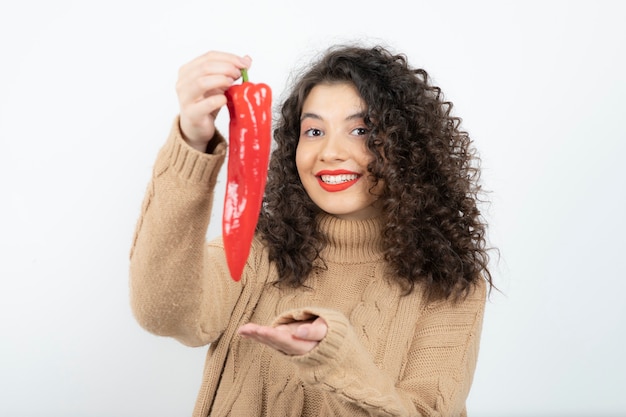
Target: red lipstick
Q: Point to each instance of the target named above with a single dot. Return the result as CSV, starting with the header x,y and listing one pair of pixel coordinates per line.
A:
x,y
338,186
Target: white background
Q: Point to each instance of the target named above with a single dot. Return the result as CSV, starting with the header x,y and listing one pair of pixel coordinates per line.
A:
x,y
87,98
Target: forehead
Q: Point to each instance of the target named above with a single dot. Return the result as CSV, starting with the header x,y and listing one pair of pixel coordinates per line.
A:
x,y
332,97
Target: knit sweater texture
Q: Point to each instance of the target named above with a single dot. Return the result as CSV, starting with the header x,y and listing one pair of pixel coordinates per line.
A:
x,y
385,353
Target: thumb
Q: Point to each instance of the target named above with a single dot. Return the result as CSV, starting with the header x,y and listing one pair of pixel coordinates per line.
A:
x,y
315,331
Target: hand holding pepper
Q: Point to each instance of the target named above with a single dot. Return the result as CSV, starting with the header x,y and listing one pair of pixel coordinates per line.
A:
x,y
201,88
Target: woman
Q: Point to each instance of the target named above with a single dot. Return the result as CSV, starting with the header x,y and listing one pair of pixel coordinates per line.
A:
x,y
365,287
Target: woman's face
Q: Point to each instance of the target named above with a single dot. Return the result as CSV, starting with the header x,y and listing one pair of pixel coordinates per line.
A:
x,y
332,157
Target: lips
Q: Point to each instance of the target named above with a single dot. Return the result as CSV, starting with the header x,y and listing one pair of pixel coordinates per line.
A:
x,y
337,180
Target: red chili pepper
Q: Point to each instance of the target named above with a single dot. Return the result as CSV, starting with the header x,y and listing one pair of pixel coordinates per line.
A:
x,y
250,130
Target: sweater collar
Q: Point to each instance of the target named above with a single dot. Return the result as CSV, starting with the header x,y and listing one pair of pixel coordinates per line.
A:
x,y
351,241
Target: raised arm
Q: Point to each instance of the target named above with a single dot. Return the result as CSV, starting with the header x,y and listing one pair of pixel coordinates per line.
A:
x,y
179,287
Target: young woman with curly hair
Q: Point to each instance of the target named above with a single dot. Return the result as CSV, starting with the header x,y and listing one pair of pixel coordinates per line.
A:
x,y
365,287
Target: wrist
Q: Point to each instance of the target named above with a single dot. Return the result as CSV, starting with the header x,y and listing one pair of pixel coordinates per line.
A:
x,y
204,146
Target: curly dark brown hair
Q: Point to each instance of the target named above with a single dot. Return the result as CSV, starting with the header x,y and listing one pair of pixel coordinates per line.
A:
x,y
433,231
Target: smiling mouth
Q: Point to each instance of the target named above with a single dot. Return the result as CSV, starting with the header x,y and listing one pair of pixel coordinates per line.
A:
x,y
338,179
337,182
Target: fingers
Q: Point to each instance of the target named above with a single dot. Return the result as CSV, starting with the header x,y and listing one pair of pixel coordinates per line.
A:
x,y
296,338
314,331
279,338
200,89
194,89
211,73
215,62
207,107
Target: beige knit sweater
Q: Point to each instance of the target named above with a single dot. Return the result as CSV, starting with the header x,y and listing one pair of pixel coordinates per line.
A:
x,y
384,355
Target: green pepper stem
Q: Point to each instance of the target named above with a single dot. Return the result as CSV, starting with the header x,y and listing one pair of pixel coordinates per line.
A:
x,y
244,75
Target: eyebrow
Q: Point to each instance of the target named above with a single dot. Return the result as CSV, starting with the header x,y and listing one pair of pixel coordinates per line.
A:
x,y
359,115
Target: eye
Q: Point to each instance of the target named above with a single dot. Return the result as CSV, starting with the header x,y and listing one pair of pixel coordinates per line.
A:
x,y
312,132
360,131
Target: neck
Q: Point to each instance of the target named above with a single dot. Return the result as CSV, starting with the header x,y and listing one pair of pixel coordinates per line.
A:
x,y
353,241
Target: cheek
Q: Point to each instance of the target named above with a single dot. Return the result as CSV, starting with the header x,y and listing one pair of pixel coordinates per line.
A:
x,y
362,154
300,161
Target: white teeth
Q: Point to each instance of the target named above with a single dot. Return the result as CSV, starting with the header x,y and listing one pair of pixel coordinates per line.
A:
x,y
338,179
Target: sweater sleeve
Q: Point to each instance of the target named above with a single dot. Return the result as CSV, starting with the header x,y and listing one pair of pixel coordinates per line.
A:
x,y
179,285
437,373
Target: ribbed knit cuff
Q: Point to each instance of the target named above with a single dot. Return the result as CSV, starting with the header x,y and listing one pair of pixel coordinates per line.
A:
x,y
330,354
190,164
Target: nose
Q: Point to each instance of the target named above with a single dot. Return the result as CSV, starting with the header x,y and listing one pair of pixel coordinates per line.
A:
x,y
333,149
